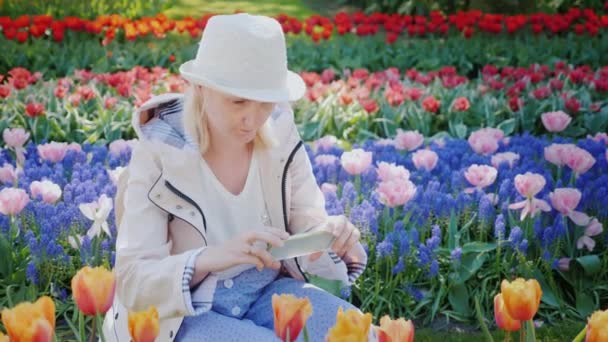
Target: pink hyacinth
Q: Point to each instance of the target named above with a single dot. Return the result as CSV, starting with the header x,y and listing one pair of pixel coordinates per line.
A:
x,y
509,158
557,153
529,185
565,200
327,188
15,137
389,171
579,160
53,151
408,140
396,192
555,121
356,161
325,159
425,159
13,200
483,142
47,190
480,176
8,174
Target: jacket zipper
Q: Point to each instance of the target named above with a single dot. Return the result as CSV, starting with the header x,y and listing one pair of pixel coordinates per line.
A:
x,y
191,201
283,195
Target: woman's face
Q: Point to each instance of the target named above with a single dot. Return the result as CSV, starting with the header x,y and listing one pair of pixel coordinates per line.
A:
x,y
235,118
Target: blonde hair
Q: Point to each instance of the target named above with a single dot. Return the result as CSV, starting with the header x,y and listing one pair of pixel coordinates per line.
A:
x,y
196,125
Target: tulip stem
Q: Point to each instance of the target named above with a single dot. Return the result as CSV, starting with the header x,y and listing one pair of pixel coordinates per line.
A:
x,y
93,329
531,330
508,336
99,319
306,337
81,327
581,335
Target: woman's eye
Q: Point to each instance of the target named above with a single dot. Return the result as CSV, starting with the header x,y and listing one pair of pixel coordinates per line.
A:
x,y
239,102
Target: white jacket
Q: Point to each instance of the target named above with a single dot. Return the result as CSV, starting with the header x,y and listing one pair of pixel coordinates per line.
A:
x,y
161,222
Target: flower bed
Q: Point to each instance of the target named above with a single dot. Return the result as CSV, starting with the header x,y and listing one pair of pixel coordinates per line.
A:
x,y
355,106
442,223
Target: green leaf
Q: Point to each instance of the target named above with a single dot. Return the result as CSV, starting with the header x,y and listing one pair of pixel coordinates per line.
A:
x,y
452,231
591,264
549,296
478,247
470,263
6,266
584,304
460,130
332,286
459,298
507,126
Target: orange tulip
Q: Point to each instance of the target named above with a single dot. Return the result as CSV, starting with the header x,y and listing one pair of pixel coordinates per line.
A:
x,y
144,326
597,327
398,330
290,314
93,290
351,326
501,315
521,298
28,322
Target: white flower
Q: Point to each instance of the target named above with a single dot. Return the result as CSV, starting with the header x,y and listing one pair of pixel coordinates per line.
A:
x,y
98,212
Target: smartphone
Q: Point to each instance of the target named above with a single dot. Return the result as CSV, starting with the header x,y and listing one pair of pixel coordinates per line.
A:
x,y
303,244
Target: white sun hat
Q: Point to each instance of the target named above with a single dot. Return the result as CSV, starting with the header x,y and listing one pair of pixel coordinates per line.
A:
x,y
244,55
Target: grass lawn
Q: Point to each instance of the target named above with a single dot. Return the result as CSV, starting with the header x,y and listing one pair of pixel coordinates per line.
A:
x,y
297,8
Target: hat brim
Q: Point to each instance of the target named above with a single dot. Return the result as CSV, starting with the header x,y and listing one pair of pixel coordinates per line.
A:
x,y
294,86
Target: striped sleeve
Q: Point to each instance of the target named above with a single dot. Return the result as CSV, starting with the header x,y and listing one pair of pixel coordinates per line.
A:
x,y
198,299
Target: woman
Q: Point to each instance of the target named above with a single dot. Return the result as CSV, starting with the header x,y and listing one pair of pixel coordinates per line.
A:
x,y
219,175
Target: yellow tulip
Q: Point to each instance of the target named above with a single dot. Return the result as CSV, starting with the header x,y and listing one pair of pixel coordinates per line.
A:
x,y
351,326
597,327
144,326
3,338
521,298
28,322
398,330
503,320
290,314
93,290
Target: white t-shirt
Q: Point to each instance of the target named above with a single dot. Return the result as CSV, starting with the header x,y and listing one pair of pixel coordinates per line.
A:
x,y
228,215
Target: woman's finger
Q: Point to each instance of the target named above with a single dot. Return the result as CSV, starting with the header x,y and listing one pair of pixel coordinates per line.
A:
x,y
264,236
341,239
351,242
264,256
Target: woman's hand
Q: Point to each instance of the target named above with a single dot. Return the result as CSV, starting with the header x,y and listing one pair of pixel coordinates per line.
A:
x,y
246,248
347,236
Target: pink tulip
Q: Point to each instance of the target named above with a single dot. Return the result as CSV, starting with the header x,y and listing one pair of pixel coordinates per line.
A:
x,y
13,200
564,264
356,161
565,200
47,190
483,143
15,137
408,140
579,160
425,159
74,147
480,176
326,142
325,159
387,172
599,137
594,228
496,133
119,146
507,157
53,151
396,192
8,174
557,153
585,242
528,185
555,121
109,102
